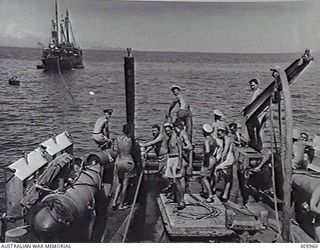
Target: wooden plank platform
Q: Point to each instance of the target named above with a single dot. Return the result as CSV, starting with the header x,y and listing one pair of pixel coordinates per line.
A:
x,y
184,224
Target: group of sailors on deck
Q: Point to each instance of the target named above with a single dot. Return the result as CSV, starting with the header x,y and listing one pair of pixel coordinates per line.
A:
x,y
172,144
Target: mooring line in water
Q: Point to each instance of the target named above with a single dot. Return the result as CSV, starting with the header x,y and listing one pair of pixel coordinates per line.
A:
x,y
134,202
64,82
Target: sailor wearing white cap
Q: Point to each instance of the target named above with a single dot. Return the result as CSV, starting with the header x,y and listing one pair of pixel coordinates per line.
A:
x,y
217,112
207,128
174,87
217,122
184,113
226,161
209,161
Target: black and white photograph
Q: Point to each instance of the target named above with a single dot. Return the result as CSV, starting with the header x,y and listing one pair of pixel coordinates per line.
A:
x,y
159,121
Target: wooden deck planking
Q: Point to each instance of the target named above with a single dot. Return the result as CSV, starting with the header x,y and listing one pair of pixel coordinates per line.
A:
x,y
179,226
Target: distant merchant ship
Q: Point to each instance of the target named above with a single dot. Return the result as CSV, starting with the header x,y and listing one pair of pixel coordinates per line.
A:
x,y
62,52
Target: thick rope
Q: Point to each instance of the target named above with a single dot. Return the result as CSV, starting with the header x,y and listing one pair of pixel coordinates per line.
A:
x,y
63,81
273,171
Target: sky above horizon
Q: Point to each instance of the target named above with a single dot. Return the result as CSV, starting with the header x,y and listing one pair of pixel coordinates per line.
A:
x,y
198,26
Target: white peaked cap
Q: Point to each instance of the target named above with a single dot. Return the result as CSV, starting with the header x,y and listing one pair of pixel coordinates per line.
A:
x,y
175,87
207,128
218,112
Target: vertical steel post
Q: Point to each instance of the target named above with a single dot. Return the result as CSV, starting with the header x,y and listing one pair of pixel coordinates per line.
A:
x,y
130,89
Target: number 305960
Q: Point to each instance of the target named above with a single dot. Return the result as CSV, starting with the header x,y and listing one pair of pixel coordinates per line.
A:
x,y
310,245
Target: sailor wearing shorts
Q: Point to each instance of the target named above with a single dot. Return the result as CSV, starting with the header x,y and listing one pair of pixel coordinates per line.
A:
x,y
207,170
226,161
174,169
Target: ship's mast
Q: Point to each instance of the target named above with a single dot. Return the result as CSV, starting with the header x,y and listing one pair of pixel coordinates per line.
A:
x,y
63,37
67,26
57,22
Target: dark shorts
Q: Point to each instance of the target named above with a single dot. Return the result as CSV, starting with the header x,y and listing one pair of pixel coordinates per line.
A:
x,y
162,160
207,171
226,174
124,168
183,114
108,174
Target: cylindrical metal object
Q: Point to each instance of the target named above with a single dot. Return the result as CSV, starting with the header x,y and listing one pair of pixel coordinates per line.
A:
x,y
306,183
62,210
101,157
18,235
130,89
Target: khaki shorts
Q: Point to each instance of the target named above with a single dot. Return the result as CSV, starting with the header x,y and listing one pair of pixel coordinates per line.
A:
x,y
174,168
162,160
124,169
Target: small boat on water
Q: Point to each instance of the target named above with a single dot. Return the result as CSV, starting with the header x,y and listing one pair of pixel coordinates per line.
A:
x,y
14,81
63,53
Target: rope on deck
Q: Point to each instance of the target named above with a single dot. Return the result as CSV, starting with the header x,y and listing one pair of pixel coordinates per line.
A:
x,y
212,210
134,202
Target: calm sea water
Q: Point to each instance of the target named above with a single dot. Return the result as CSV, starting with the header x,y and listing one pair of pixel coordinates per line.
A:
x,y
40,106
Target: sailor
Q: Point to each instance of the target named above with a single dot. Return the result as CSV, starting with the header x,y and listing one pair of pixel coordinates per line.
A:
x,y
160,146
174,169
209,161
236,134
298,149
186,149
226,160
217,122
309,147
101,131
255,87
184,113
256,124
124,166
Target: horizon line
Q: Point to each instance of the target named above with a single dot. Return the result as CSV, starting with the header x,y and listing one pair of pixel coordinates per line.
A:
x,y
172,51
216,1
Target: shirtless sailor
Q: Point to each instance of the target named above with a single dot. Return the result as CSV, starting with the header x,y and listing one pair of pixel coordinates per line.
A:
x,y
159,144
101,132
184,113
209,161
226,160
174,169
124,166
